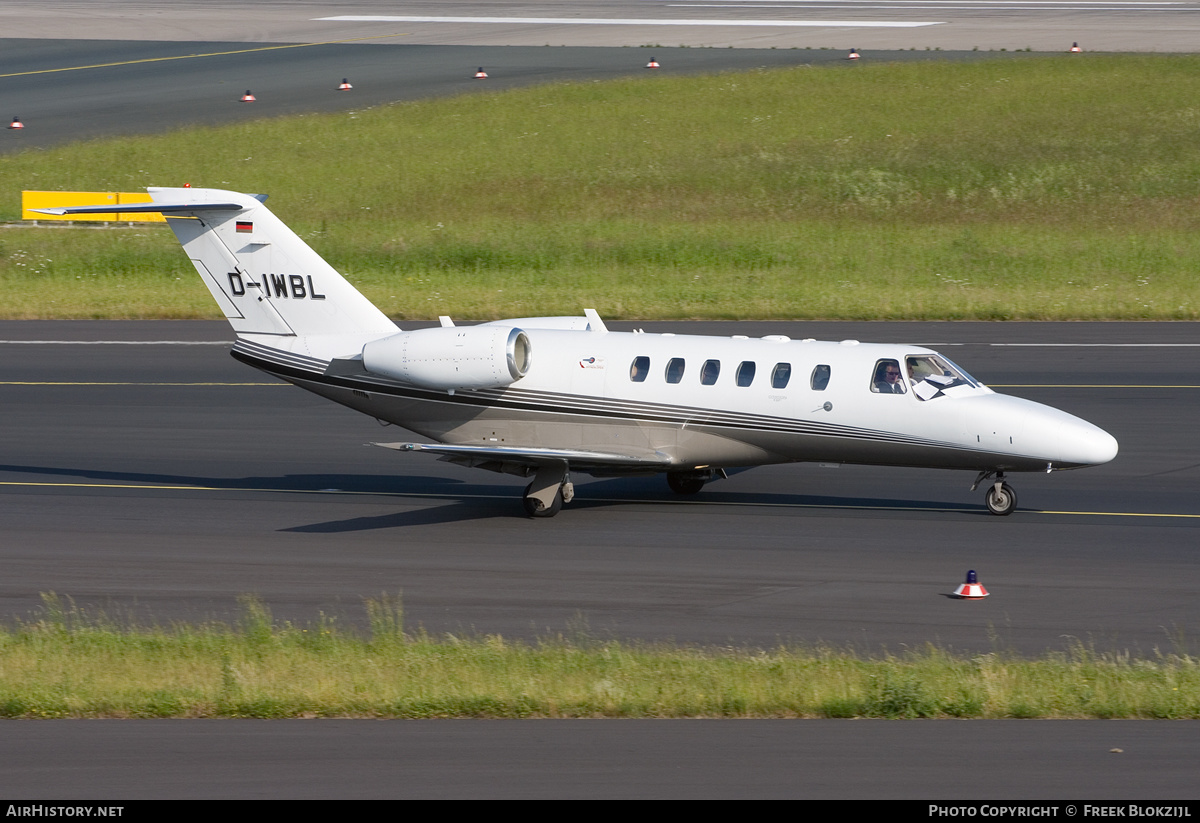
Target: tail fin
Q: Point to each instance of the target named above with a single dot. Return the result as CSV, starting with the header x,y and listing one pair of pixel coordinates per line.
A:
x,y
263,276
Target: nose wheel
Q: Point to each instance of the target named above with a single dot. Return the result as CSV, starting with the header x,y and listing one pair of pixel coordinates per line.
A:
x,y
1000,498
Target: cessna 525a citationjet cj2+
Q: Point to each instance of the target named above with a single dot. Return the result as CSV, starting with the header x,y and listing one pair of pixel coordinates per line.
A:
x,y
543,397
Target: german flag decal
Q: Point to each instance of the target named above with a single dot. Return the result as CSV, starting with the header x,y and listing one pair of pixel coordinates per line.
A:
x,y
245,226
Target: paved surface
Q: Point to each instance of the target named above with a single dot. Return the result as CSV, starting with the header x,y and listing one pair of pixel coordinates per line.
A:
x,y
459,759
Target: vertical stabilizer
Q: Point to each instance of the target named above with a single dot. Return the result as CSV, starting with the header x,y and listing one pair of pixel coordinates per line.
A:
x,y
263,276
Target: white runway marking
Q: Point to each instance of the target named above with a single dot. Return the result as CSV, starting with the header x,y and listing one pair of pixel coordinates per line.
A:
x,y
604,21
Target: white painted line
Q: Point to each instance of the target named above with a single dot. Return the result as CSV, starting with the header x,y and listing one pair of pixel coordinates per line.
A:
x,y
605,21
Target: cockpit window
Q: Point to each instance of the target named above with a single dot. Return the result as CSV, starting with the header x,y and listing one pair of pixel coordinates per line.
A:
x,y
933,375
887,379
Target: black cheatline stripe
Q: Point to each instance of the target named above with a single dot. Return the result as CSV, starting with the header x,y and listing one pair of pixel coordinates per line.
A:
x,y
675,415
287,358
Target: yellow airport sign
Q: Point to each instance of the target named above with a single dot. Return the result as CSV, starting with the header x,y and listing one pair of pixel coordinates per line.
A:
x,y
60,199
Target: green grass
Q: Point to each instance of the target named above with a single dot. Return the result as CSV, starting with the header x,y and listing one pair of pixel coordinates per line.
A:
x,y
1047,188
67,664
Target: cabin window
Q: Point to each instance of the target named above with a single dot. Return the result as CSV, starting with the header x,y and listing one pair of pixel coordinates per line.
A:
x,y
709,372
886,379
639,369
780,375
820,378
675,370
745,373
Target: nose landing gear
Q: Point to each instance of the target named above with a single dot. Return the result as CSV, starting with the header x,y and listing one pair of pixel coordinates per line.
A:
x,y
1000,498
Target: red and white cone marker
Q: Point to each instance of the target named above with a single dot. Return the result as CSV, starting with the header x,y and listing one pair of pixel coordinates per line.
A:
x,y
1075,48
16,124
481,74
653,64
248,97
972,589
853,55
345,85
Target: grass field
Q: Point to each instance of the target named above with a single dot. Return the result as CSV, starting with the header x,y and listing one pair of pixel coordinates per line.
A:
x,y
1048,188
67,664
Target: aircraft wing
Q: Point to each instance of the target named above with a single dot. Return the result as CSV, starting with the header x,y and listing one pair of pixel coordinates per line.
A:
x,y
507,458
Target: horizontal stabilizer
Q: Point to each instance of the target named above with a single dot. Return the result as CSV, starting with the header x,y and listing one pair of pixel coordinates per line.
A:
x,y
142,208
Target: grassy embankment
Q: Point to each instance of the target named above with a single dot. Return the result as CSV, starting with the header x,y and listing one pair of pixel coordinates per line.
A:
x,y
1056,188
67,665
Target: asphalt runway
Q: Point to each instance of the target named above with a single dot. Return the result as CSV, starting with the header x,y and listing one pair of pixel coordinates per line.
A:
x,y
161,481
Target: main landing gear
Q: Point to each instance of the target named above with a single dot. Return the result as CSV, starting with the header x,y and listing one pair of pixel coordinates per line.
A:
x,y
551,487
1000,498
689,482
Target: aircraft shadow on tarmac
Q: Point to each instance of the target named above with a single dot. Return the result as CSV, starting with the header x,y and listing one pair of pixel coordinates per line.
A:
x,y
473,501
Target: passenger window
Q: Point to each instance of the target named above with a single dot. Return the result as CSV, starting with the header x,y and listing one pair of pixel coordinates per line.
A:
x,y
709,372
675,370
745,373
780,375
639,369
886,379
820,378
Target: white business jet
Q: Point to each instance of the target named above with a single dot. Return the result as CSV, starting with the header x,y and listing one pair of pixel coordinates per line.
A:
x,y
543,397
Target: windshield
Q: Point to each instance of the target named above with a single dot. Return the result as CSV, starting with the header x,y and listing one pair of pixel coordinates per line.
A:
x,y
933,375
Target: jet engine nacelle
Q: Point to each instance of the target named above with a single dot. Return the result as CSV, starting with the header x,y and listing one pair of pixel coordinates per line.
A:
x,y
452,357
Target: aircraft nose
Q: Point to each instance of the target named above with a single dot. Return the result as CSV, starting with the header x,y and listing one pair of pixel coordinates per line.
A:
x,y
1082,444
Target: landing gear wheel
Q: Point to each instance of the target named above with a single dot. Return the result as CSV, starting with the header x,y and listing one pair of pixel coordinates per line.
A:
x,y
1001,499
685,482
535,507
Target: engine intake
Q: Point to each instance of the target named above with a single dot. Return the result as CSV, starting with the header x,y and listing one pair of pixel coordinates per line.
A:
x,y
452,357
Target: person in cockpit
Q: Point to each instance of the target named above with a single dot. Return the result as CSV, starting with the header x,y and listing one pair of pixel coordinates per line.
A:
x,y
887,378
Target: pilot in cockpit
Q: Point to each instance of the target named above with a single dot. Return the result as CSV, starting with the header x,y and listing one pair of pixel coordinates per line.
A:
x,y
887,378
